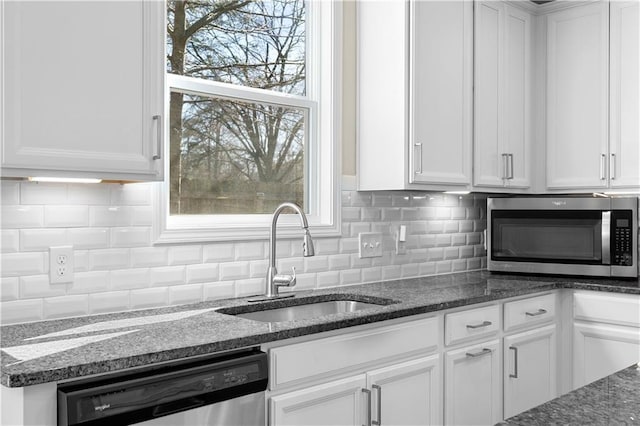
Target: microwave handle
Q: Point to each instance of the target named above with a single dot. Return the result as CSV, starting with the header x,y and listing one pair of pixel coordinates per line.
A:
x,y
606,238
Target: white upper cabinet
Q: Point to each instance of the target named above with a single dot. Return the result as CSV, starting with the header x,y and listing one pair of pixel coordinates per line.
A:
x,y
414,94
578,97
502,95
624,127
83,89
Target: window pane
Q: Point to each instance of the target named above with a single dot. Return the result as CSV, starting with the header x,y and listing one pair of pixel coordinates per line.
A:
x,y
258,44
233,157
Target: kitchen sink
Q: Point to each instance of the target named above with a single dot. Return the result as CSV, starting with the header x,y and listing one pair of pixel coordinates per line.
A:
x,y
302,309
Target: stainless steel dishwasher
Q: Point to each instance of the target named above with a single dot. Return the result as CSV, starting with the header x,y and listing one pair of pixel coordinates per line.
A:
x,y
226,390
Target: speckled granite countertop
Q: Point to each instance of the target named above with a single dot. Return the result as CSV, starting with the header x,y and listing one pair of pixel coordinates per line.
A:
x,y
63,349
614,400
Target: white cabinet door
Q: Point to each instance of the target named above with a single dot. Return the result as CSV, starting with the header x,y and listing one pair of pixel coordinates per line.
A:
x,y
502,103
624,127
407,393
441,91
473,383
600,350
577,97
335,403
529,369
83,88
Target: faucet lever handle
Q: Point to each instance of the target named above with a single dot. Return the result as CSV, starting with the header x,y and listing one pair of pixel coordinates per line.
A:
x,y
285,280
292,282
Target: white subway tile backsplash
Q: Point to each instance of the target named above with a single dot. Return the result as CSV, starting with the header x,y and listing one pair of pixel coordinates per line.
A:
x,y
112,301
37,286
117,267
167,276
17,311
19,264
89,282
110,216
88,194
250,251
206,272
328,279
149,256
41,239
88,238
339,261
234,271
137,194
66,216
372,275
9,289
108,259
136,236
43,193
15,217
10,240
149,297
127,279
250,287
185,255
66,306
219,290
10,192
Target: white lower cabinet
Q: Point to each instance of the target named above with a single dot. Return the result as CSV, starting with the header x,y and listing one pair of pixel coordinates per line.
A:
x,y
473,382
339,402
530,360
406,393
606,334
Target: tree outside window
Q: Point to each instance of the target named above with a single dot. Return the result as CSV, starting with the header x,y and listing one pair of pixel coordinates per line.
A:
x,y
229,154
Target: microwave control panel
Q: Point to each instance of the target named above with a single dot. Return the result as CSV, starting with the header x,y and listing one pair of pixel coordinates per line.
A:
x,y
623,238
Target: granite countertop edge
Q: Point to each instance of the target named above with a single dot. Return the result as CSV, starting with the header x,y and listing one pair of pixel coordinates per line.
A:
x,y
409,296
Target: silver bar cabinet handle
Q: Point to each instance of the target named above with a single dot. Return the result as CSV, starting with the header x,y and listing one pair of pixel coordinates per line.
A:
x,y
505,166
483,324
419,155
537,313
510,176
158,120
484,351
379,411
603,166
606,238
612,166
515,363
367,392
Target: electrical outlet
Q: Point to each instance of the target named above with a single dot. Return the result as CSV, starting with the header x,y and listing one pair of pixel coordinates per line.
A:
x,y
370,244
61,264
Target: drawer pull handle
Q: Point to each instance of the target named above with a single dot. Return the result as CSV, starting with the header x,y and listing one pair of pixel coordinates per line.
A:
x,y
535,314
484,351
483,324
515,362
367,392
379,421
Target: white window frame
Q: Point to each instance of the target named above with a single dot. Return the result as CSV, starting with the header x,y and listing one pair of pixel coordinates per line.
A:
x,y
323,104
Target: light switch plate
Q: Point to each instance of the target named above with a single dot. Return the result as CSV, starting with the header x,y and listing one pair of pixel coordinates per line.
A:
x,y
370,244
61,264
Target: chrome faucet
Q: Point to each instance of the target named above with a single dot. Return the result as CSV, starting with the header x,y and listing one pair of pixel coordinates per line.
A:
x,y
275,280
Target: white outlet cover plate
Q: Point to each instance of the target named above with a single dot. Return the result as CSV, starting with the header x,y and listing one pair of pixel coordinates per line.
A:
x,y
61,264
370,244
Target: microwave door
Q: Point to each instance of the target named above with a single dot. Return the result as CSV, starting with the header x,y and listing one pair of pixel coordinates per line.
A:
x,y
606,238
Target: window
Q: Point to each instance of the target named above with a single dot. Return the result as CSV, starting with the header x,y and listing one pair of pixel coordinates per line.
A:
x,y
252,116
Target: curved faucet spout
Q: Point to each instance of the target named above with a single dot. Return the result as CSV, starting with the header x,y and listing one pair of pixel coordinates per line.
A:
x,y
273,279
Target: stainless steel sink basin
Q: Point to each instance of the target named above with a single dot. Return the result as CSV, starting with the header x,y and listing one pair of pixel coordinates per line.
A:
x,y
306,311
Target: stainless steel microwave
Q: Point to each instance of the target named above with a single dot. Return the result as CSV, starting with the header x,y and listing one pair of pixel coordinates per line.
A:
x,y
566,236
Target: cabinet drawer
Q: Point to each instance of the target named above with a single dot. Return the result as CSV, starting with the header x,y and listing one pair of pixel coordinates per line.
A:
x,y
622,309
302,361
472,323
534,310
